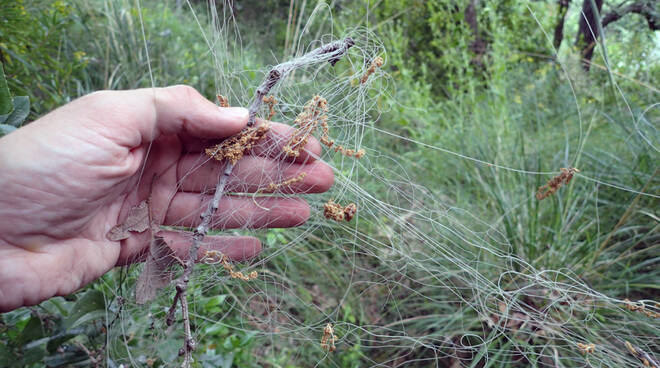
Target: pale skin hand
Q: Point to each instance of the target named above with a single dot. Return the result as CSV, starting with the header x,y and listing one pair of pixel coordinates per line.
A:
x,y
70,176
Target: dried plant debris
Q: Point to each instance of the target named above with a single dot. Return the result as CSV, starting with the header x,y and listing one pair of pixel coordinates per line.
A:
x,y
270,101
586,348
326,141
275,186
646,358
234,147
313,114
216,257
157,272
641,308
376,63
335,211
349,211
223,101
136,221
329,338
232,150
553,185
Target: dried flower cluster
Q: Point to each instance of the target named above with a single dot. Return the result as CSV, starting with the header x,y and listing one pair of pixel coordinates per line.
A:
x,y
376,63
270,101
215,257
555,183
640,307
586,348
335,211
233,148
275,186
313,114
328,339
223,101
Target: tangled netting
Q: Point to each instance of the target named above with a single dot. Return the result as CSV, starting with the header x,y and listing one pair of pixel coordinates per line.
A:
x,y
386,270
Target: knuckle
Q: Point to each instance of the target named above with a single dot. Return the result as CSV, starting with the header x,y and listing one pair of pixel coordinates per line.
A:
x,y
185,91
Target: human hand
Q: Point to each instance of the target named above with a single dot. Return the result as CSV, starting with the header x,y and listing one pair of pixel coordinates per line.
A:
x,y
69,177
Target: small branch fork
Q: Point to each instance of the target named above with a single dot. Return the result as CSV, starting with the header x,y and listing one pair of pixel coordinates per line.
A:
x,y
331,53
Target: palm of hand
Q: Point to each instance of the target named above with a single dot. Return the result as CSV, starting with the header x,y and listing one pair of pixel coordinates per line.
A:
x,y
72,175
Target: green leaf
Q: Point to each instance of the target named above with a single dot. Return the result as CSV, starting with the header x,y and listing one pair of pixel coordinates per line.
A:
x,y
21,111
224,361
5,97
34,352
214,301
59,339
32,331
6,355
168,350
89,307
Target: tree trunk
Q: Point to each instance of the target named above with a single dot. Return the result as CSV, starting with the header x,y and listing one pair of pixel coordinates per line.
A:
x,y
478,45
559,26
588,30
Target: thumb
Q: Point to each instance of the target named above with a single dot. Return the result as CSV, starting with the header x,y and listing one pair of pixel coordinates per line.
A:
x,y
181,109
142,115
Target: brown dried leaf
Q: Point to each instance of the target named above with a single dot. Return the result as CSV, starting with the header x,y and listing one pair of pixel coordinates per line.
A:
x,y
136,221
157,272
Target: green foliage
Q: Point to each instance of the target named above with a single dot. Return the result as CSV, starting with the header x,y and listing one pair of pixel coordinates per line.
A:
x,y
56,333
6,105
13,111
39,58
434,41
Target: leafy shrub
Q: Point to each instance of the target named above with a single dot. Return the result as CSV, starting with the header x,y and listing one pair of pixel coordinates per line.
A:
x,y
39,58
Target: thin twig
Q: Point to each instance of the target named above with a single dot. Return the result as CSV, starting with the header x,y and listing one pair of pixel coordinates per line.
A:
x,y
643,356
331,53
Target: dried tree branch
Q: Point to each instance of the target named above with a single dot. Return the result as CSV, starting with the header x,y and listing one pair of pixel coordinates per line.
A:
x,y
331,53
646,358
646,8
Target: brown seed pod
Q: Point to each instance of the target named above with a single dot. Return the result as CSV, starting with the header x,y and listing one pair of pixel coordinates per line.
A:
x,y
233,148
275,186
553,185
335,211
223,101
349,211
328,339
306,123
376,63
270,101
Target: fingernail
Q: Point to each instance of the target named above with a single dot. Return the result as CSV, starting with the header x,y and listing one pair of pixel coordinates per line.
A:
x,y
238,113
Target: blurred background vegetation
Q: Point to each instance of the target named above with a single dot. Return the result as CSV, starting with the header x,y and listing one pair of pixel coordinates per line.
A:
x,y
487,79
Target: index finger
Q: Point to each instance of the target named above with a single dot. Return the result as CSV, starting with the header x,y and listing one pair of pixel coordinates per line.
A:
x,y
277,137
272,145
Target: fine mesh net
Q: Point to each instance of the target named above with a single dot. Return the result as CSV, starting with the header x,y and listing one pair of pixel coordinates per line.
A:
x,y
416,277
